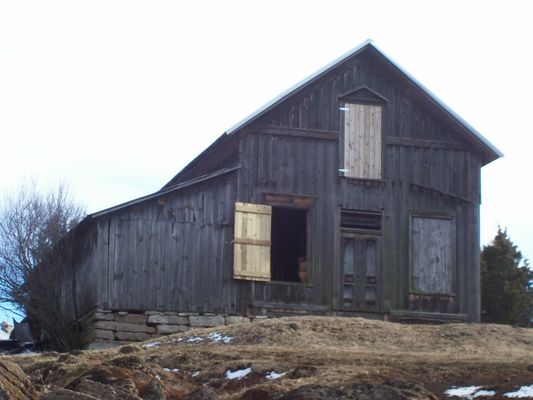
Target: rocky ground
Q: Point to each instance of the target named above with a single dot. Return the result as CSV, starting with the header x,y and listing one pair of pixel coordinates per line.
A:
x,y
286,358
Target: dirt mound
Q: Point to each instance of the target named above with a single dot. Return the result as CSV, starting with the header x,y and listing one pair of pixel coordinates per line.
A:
x,y
292,358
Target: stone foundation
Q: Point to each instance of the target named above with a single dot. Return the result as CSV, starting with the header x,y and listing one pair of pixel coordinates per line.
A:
x,y
105,328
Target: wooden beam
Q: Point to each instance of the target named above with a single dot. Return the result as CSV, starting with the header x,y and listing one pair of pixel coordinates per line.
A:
x,y
288,200
296,132
422,187
435,144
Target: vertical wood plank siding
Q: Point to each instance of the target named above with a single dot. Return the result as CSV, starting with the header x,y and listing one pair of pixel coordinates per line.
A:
x,y
175,252
428,168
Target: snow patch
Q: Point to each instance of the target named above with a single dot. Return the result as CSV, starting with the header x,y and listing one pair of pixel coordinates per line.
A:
x,y
175,370
238,374
522,393
195,339
195,374
274,375
216,337
469,392
486,393
151,344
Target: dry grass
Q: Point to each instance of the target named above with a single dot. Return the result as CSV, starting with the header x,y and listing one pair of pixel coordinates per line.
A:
x,y
311,350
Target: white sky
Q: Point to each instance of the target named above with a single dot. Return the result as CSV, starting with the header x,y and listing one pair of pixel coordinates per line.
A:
x,y
115,97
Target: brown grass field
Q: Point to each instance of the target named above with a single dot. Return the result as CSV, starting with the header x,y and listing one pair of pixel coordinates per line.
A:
x,y
322,357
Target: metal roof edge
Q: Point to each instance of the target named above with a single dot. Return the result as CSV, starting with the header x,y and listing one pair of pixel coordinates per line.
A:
x,y
441,103
278,99
150,196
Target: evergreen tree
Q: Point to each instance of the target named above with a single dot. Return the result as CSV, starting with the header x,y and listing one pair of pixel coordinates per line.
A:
x,y
506,283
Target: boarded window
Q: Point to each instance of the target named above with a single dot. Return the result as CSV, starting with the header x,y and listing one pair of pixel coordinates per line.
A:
x,y
251,259
433,254
362,141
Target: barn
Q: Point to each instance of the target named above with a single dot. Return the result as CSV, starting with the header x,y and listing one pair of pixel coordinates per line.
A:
x,y
356,192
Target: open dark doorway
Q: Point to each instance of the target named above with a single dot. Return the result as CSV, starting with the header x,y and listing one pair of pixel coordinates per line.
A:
x,y
289,245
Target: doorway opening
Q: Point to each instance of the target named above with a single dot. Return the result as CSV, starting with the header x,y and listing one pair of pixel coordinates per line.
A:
x,y
289,245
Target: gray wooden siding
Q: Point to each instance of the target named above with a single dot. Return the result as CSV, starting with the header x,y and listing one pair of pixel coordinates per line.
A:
x,y
169,253
426,166
175,253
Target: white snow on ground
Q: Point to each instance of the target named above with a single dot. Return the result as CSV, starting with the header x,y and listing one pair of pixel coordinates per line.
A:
x,y
175,370
195,374
486,393
523,393
274,375
151,344
468,392
194,339
238,374
216,337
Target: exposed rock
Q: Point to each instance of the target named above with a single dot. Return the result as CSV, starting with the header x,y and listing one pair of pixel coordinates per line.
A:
x,y
107,391
203,393
362,391
14,384
256,394
154,391
65,394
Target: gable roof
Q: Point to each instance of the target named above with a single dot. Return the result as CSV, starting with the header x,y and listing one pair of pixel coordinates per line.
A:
x,y
490,151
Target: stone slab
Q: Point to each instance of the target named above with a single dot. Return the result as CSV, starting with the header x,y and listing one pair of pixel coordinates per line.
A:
x,y
168,319
124,327
236,319
166,329
206,320
131,318
103,334
103,316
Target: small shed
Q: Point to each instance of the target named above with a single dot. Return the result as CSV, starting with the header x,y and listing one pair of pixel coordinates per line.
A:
x,y
356,192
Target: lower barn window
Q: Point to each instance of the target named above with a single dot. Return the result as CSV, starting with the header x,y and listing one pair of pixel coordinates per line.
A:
x,y
288,253
270,243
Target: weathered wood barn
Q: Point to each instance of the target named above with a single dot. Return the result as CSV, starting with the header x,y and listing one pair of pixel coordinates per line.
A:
x,y
356,192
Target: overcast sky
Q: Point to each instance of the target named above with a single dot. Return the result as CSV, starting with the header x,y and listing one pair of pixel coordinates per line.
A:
x,y
115,97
